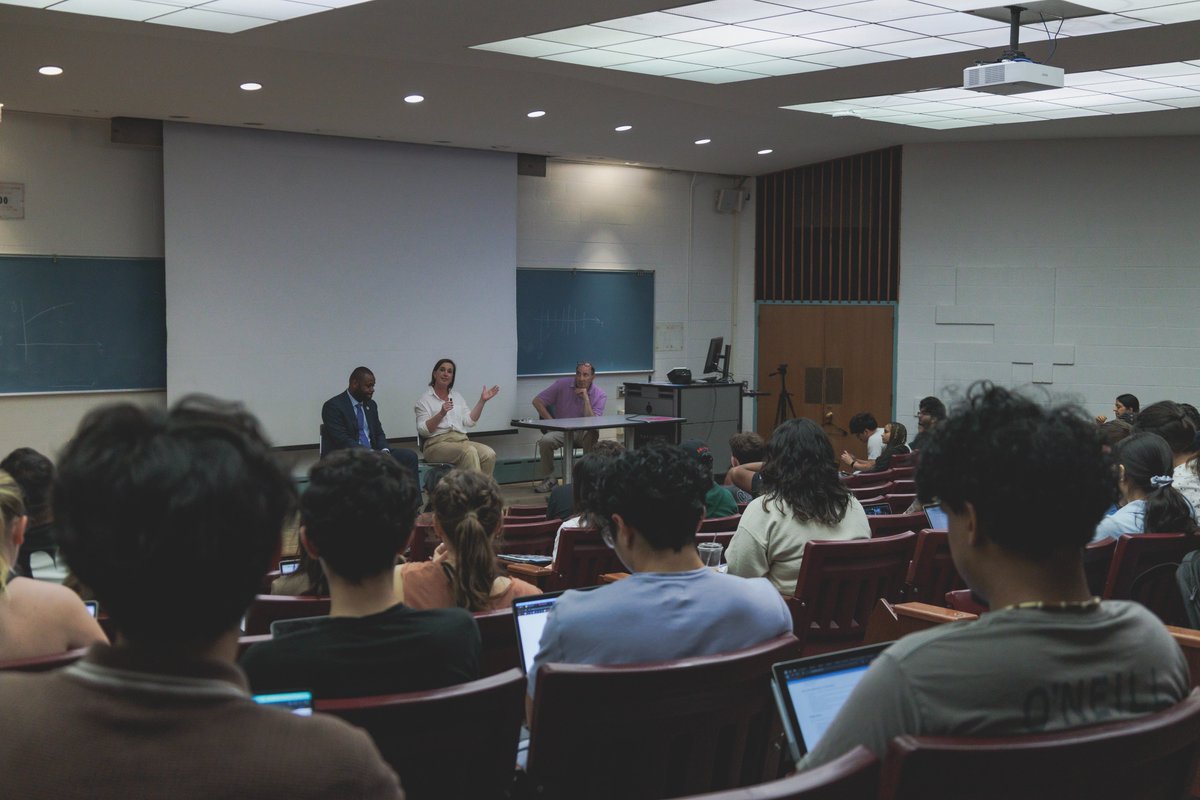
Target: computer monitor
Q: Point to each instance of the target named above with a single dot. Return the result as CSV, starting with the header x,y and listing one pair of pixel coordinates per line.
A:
x,y
717,353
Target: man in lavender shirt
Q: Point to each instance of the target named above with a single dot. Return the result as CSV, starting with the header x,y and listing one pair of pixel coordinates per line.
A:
x,y
564,399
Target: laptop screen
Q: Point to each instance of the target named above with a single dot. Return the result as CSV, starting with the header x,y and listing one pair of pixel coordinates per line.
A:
x,y
936,517
875,509
811,691
530,615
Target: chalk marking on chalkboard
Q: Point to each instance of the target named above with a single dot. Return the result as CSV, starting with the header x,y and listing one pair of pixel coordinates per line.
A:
x,y
28,344
47,311
570,322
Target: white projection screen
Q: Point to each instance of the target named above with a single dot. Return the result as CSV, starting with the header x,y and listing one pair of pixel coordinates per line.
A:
x,y
291,259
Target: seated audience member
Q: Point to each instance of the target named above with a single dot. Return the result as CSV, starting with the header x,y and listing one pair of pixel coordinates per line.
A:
x,y
895,437
1113,659
1114,431
307,581
803,499
467,516
1172,422
34,473
652,500
744,448
930,412
561,502
585,483
172,518
1125,408
355,515
1149,503
864,428
36,618
718,501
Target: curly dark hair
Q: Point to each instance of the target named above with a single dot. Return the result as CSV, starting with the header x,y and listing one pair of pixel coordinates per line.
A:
x,y
1038,478
800,474
358,511
186,505
1171,422
659,491
35,474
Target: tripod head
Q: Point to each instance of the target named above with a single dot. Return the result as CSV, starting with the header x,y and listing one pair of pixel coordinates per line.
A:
x,y
782,370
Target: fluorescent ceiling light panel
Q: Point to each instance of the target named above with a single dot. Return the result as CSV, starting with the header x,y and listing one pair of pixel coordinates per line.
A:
x,y
722,57
593,58
1158,70
656,23
782,66
589,36
1168,15
850,58
865,36
209,20
721,76
926,108
659,48
658,66
916,48
946,23
530,48
725,36
790,47
115,9
880,10
1102,23
265,9
731,11
801,24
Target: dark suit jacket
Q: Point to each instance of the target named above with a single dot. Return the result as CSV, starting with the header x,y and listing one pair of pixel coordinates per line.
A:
x,y
341,426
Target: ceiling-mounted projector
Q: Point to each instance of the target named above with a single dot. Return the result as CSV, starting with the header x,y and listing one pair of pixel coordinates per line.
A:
x,y
1012,77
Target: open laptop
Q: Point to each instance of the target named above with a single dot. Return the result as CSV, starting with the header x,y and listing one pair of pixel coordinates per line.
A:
x,y
875,509
810,692
530,614
936,517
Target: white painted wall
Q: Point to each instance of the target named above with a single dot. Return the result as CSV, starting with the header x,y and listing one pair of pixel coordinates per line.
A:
x,y
1073,265
614,217
83,197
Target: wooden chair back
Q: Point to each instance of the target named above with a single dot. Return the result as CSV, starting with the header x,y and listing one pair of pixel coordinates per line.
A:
x,y
1136,574
872,491
852,776
904,486
528,538
862,479
902,472
421,543
932,572
839,584
719,524
891,524
908,459
267,608
581,559
43,663
900,502
533,511
460,741
1097,560
499,642
657,730
1148,758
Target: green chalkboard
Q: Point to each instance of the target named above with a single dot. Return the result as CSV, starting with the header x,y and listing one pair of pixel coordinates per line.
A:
x,y
82,324
568,315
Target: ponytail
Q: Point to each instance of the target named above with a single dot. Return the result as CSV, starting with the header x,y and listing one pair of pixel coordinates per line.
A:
x,y
468,508
1167,511
12,507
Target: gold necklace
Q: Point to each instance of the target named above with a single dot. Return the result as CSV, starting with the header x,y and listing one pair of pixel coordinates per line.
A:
x,y
1061,605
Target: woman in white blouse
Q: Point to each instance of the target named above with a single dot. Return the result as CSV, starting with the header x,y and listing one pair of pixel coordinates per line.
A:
x,y
443,418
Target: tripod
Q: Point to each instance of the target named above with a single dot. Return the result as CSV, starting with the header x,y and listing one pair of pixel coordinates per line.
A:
x,y
784,410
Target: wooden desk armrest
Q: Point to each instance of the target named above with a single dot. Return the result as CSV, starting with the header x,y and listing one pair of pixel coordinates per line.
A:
x,y
613,577
528,570
931,613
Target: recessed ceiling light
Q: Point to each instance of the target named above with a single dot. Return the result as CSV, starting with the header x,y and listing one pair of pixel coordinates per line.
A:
x,y
251,86
50,69
415,98
766,152
623,128
703,141
536,114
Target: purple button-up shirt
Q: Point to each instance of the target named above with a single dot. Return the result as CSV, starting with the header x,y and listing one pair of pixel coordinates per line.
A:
x,y
561,395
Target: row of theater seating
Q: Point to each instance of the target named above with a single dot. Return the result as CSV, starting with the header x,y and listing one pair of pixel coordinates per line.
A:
x,y
676,729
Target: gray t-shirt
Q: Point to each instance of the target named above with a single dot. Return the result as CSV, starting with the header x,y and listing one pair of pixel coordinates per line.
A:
x,y
658,616
1012,672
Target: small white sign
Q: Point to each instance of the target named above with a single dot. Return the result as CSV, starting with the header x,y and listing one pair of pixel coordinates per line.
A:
x,y
12,201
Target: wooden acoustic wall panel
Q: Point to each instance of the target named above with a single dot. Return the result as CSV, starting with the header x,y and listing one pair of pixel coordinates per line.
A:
x,y
830,231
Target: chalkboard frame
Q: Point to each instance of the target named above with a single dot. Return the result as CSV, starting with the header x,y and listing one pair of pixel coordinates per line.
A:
x,y
118,343
629,291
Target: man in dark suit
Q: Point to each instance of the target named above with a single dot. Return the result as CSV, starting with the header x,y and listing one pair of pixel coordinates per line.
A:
x,y
351,419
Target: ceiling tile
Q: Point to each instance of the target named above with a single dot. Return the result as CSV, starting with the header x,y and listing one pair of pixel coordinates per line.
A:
x,y
266,9
725,36
789,47
116,9
731,11
656,23
209,20
917,48
864,36
849,58
588,36
802,23
593,58
947,23
530,48
880,10
658,47
719,76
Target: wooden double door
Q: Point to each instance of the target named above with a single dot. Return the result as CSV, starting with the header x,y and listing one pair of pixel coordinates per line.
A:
x,y
839,361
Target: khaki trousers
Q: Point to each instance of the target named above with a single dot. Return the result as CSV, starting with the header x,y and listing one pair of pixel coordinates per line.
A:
x,y
455,448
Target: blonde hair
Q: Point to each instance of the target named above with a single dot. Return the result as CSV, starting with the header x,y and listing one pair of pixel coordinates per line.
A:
x,y
468,508
12,506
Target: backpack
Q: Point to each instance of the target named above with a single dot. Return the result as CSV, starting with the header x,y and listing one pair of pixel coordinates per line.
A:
x,y
1188,578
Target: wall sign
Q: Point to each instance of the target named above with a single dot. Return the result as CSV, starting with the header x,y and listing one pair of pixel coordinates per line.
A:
x,y
12,201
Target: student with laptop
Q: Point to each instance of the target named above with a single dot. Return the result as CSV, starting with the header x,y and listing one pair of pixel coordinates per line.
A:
x,y
355,515
172,518
652,500
1049,655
